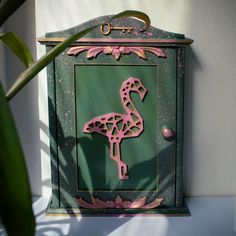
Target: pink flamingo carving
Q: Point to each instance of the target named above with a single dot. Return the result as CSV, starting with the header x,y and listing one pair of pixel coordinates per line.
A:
x,y
117,126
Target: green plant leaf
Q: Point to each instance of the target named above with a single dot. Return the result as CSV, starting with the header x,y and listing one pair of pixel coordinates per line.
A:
x,y
18,47
37,66
15,197
136,14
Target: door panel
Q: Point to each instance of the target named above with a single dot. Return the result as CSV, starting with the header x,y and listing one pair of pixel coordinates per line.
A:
x,y
85,90
97,93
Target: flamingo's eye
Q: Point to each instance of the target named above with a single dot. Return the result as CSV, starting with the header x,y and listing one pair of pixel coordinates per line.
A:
x,y
141,89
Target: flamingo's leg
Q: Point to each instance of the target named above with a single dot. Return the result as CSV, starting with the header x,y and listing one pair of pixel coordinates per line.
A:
x,y
115,155
123,170
112,151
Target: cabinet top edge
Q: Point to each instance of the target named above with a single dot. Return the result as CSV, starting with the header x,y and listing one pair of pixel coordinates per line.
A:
x,y
159,42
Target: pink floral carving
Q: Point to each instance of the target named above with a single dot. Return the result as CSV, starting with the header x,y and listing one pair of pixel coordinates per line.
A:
x,y
115,51
119,202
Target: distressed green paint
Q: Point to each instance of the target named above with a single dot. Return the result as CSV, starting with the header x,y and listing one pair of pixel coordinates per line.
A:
x,y
80,89
180,126
166,116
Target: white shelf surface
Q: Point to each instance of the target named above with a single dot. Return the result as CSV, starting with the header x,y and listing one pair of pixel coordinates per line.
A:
x,y
209,216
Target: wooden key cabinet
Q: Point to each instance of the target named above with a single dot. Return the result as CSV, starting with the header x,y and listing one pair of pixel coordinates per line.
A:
x,y
116,120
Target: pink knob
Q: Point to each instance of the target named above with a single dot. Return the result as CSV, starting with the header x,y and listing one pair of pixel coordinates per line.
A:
x,y
167,133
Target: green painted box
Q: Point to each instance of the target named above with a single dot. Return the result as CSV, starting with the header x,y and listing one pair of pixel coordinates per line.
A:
x,y
116,120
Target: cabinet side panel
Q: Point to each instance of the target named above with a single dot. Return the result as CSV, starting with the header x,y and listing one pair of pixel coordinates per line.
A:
x,y
53,133
180,126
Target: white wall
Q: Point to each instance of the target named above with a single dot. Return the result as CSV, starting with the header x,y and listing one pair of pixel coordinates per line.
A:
x,y
210,151
25,104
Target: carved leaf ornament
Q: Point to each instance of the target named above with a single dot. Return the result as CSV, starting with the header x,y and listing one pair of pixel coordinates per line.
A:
x,y
119,202
115,51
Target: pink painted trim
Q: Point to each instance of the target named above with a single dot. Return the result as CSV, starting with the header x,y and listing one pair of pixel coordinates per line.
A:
x,y
119,202
115,51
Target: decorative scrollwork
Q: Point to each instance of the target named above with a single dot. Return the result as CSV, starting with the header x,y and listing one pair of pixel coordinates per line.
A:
x,y
115,51
119,202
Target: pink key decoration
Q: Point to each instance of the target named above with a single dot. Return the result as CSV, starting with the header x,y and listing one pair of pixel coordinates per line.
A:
x,y
117,126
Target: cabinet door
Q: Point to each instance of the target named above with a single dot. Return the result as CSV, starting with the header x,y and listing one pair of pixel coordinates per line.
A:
x,y
90,90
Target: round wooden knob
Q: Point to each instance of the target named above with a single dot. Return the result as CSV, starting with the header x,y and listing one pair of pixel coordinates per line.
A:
x,y
167,133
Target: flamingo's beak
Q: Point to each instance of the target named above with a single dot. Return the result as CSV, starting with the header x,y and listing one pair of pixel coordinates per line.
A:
x,y
86,129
